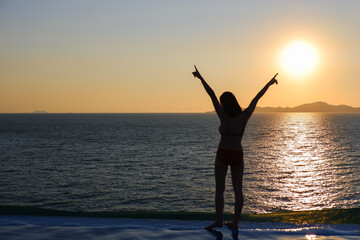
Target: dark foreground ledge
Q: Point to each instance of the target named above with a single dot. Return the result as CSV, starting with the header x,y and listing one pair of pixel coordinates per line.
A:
x,y
330,216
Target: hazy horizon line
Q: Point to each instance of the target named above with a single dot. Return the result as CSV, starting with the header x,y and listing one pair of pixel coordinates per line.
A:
x,y
278,107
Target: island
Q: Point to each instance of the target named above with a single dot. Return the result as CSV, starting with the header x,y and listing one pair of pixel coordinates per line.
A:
x,y
311,107
39,111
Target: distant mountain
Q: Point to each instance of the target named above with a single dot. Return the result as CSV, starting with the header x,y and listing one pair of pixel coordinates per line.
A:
x,y
311,107
39,111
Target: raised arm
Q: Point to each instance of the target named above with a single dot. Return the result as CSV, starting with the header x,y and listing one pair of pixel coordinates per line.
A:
x,y
250,109
211,93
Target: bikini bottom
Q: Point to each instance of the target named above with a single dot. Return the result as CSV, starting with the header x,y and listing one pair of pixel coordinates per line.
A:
x,y
230,157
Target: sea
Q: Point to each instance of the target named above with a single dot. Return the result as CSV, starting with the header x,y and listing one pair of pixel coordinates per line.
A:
x,y
165,162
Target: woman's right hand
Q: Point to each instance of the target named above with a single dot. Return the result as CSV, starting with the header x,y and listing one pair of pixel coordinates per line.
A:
x,y
197,74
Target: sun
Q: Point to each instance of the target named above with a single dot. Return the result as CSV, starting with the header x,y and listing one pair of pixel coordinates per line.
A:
x,y
299,58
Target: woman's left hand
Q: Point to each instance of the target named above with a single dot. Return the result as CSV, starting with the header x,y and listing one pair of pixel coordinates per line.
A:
x,y
273,80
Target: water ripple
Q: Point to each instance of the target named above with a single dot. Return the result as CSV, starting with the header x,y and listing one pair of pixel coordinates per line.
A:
x,y
111,162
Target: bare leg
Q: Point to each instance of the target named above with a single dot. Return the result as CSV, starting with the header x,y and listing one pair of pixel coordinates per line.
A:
x,y
220,174
237,176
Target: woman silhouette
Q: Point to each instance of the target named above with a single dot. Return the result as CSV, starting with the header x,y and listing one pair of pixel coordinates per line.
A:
x,y
232,125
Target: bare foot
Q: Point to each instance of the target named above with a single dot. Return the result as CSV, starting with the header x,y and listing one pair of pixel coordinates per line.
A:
x,y
232,225
214,225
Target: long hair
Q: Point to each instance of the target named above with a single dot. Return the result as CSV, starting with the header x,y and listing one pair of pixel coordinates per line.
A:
x,y
230,104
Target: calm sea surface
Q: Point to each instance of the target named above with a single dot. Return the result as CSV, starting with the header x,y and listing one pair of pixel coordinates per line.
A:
x,y
165,162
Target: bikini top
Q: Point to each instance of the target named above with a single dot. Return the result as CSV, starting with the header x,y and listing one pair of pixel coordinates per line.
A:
x,y
240,124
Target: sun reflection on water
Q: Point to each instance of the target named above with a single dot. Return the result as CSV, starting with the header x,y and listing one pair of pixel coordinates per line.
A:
x,y
310,236
303,161
300,166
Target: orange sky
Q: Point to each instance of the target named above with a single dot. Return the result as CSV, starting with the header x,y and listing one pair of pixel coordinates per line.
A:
x,y
137,56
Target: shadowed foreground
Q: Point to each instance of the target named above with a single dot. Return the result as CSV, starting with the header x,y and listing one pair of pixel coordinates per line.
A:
x,y
329,216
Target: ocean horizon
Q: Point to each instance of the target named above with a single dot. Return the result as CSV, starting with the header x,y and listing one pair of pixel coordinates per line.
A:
x,y
315,107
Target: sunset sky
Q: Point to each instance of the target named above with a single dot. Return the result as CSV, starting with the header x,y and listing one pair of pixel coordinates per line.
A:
x,y
137,56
